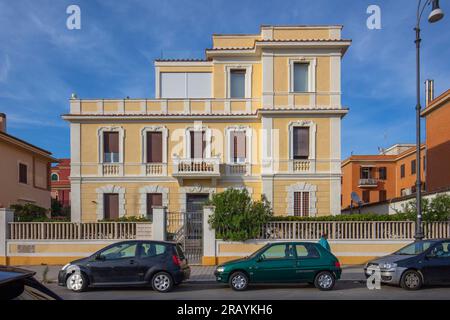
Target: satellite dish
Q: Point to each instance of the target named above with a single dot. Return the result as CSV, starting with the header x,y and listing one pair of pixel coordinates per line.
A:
x,y
356,198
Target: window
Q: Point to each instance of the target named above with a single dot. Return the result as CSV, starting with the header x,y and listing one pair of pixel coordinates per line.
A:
x,y
403,192
23,174
154,147
110,147
413,166
198,144
382,195
184,85
402,171
382,173
441,250
301,204
279,251
424,163
366,173
301,142
413,189
238,146
120,251
153,199
149,250
366,196
54,177
110,206
301,77
306,251
237,83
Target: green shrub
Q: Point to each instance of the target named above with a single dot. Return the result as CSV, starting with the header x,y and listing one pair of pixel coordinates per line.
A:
x,y
29,212
128,219
236,216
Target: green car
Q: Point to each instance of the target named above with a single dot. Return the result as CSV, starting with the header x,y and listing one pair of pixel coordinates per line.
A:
x,y
283,262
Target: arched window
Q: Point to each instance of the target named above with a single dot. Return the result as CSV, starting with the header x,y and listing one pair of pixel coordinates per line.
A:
x,y
54,177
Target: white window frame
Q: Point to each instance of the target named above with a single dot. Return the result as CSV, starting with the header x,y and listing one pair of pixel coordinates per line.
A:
x,y
100,132
312,137
187,140
110,189
302,187
248,143
165,136
311,74
248,79
152,189
301,203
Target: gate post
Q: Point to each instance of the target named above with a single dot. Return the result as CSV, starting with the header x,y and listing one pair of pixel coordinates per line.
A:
x,y
6,216
159,223
209,238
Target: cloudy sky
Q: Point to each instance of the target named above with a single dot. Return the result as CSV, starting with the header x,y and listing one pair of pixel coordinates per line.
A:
x,y
42,62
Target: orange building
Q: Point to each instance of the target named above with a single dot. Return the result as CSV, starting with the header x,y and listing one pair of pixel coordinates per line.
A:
x,y
24,171
437,118
384,176
60,182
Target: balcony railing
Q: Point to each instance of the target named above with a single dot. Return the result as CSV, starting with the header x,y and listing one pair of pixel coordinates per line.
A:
x,y
238,169
204,167
155,169
370,182
111,169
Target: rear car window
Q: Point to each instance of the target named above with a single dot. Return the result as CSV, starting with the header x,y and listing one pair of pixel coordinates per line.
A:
x,y
180,252
307,251
152,249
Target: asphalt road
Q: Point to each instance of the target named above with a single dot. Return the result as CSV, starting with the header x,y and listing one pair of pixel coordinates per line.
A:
x,y
345,289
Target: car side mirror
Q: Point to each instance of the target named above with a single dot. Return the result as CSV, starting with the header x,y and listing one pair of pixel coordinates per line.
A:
x,y
260,258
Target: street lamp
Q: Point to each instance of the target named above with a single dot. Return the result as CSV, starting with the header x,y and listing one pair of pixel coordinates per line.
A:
x,y
435,15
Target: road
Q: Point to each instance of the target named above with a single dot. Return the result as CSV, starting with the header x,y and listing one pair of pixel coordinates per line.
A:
x,y
345,289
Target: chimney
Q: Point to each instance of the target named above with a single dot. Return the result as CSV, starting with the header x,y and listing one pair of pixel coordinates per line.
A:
x,y
2,122
429,91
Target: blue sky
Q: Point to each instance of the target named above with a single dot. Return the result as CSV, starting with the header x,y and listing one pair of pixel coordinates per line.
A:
x,y
42,62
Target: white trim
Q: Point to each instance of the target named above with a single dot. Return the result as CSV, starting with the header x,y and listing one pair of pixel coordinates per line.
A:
x,y
301,187
183,191
110,189
152,189
248,79
248,144
267,79
312,140
165,135
187,139
121,132
312,63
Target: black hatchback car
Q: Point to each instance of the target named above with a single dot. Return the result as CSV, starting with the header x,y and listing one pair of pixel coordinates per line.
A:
x,y
128,263
419,263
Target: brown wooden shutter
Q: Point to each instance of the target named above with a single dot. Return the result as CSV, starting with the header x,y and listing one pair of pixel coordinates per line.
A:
x,y
301,142
23,177
198,144
111,206
154,147
153,199
238,145
111,142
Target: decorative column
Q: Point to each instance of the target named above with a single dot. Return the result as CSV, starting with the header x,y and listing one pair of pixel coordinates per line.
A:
x,y
6,216
159,223
209,238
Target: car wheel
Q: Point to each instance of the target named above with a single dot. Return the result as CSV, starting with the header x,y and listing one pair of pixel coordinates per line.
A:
x,y
162,282
76,282
411,280
238,281
324,281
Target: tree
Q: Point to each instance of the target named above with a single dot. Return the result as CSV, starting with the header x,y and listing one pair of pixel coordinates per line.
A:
x,y
236,216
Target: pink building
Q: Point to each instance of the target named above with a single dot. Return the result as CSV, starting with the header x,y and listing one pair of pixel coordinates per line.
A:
x,y
60,182
24,171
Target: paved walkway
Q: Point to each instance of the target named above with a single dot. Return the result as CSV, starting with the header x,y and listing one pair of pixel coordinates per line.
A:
x,y
198,273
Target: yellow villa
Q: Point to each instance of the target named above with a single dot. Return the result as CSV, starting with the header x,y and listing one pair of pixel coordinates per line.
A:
x,y
261,112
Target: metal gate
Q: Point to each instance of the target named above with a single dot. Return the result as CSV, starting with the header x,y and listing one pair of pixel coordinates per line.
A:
x,y
186,228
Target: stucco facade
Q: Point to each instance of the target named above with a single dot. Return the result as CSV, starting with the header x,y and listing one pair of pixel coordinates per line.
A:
x,y
267,113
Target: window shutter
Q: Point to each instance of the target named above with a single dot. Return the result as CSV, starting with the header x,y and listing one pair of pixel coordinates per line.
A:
x,y
198,144
111,142
111,205
238,145
154,147
153,199
23,177
301,142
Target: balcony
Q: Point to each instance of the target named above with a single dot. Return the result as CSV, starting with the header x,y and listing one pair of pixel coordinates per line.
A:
x,y
196,168
238,169
111,169
368,183
154,169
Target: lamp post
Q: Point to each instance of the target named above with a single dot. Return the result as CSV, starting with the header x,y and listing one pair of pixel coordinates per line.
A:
x,y
435,15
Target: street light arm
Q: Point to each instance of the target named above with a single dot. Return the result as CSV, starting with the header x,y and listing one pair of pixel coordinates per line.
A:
x,y
420,11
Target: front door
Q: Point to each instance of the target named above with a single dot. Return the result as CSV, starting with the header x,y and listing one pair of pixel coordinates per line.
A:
x,y
193,244
436,266
116,264
275,264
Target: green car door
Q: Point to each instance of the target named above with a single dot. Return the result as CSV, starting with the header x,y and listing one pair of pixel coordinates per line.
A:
x,y
308,262
276,264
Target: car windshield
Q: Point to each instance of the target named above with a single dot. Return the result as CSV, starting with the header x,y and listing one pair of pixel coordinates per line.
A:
x,y
415,248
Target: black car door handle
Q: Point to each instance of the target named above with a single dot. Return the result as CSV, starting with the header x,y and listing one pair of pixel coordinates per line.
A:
x,y
131,261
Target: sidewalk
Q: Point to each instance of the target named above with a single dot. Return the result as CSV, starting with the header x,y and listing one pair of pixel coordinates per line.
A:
x,y
198,273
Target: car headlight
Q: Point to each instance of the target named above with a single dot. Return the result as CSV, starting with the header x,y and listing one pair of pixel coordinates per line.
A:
x,y
65,267
388,265
220,269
